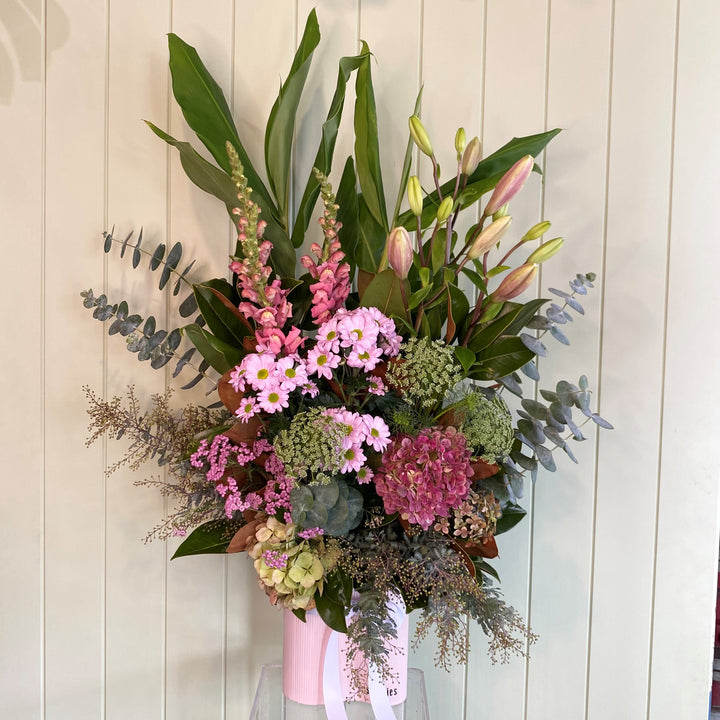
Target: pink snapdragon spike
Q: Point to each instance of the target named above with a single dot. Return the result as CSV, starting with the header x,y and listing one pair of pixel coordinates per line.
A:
x,y
510,184
331,273
425,477
400,252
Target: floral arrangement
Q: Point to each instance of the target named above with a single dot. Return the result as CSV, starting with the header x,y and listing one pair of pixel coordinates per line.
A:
x,y
362,444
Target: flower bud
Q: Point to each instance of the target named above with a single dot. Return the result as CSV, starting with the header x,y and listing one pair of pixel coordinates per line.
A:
x,y
445,209
488,237
400,252
546,251
414,193
500,212
536,231
459,142
471,157
420,136
515,282
510,184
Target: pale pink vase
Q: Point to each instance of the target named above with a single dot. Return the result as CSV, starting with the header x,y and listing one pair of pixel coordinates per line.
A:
x,y
304,645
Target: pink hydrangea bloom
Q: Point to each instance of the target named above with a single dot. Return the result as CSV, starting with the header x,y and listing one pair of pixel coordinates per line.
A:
x,y
425,477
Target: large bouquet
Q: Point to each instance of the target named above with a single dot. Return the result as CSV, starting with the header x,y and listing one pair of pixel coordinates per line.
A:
x,y
362,446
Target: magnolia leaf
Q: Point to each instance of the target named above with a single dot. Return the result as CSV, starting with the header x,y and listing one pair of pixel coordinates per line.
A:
x,y
210,537
384,293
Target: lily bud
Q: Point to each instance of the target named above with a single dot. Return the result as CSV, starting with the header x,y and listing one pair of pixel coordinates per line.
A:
x,y
471,157
400,252
546,251
500,212
443,212
489,237
420,136
510,184
459,142
414,193
536,231
515,282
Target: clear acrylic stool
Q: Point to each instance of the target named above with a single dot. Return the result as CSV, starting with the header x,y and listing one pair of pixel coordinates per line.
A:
x,y
271,704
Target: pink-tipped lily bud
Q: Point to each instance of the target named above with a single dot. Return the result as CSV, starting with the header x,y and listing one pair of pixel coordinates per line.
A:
x,y
510,184
490,235
471,157
445,210
459,142
546,251
400,251
536,231
515,282
414,193
502,211
420,136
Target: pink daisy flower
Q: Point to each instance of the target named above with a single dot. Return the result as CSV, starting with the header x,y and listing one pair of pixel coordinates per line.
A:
x,y
322,363
237,379
364,475
377,433
376,386
289,374
273,398
353,458
247,409
259,369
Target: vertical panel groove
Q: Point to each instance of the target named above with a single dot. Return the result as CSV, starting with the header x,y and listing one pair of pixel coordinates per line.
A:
x,y
43,210
663,372
598,382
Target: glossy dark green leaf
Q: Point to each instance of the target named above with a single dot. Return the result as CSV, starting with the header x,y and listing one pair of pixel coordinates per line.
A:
x,y
367,152
459,305
281,122
384,293
502,358
208,538
324,156
221,321
331,610
206,111
465,356
482,566
220,355
511,515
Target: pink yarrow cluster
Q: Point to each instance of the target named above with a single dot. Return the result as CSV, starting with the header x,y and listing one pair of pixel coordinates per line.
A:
x,y
358,338
217,455
425,477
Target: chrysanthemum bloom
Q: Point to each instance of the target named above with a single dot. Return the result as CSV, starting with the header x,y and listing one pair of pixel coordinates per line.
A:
x,y
425,477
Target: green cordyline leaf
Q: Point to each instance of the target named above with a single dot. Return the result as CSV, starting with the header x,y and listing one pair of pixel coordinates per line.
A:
x,y
208,538
348,214
324,156
367,152
512,320
204,174
206,111
371,240
281,123
511,515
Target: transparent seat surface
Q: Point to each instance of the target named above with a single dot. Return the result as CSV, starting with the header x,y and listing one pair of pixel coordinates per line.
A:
x,y
270,704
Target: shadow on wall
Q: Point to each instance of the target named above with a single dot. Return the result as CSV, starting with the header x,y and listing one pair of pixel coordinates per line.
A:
x,y
21,36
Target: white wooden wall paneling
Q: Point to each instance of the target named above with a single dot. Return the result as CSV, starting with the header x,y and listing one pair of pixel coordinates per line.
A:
x,y
264,47
196,604
684,592
136,574
74,497
634,293
22,429
513,104
578,69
